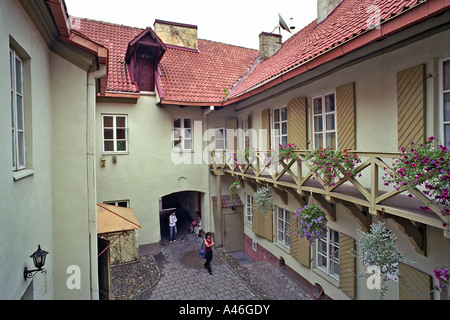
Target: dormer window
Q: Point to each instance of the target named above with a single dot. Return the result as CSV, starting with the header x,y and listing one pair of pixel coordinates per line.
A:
x,y
142,58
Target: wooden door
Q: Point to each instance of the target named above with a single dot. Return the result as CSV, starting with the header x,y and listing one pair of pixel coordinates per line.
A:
x,y
104,275
234,230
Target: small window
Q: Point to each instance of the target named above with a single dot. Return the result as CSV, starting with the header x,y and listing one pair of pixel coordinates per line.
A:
x,y
182,134
17,112
280,127
283,226
248,208
324,122
327,253
121,203
115,133
445,85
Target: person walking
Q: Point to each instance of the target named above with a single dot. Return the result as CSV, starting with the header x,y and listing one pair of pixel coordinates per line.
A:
x,y
209,243
173,226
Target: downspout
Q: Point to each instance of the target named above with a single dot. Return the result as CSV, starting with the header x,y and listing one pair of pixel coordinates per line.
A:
x,y
91,93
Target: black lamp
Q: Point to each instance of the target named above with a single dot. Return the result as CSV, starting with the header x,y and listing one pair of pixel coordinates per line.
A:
x,y
39,261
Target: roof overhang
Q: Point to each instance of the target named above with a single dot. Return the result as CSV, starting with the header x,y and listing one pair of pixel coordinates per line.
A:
x,y
406,19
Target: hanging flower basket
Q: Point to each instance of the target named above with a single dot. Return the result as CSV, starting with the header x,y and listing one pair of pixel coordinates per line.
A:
x,y
378,249
312,222
263,200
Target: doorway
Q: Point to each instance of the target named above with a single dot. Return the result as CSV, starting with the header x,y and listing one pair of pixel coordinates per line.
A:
x,y
234,229
184,204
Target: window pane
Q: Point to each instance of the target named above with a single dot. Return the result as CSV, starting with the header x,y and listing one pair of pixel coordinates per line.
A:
x,y
331,140
276,115
317,106
13,149
447,134
447,106
187,144
109,146
318,141
284,128
176,123
219,134
121,145
19,109
108,134
284,141
187,123
18,76
318,124
120,122
329,103
330,121
108,122
120,133
21,147
446,75
284,114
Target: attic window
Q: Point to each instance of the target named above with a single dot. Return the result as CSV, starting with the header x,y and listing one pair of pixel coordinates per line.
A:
x,y
142,58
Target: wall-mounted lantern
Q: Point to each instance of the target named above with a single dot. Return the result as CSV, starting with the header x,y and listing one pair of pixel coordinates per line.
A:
x,y
39,261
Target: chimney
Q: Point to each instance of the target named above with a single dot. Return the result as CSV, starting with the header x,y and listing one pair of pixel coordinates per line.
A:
x,y
269,44
178,34
325,7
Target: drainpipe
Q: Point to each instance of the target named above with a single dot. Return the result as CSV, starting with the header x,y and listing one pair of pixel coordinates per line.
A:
x,y
205,127
91,177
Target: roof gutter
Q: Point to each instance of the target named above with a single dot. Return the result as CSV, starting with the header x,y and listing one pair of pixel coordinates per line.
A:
x,y
61,18
413,15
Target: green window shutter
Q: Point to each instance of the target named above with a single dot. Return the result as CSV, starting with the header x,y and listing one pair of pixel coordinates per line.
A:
x,y
262,225
232,125
411,106
347,265
297,123
266,129
414,284
345,116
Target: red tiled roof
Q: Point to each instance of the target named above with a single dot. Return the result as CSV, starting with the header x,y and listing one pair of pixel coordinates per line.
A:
x,y
346,22
186,75
115,38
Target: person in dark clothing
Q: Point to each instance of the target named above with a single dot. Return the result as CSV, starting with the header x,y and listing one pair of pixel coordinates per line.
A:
x,y
209,243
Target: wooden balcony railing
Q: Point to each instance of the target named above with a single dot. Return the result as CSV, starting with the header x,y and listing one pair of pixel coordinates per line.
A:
x,y
365,190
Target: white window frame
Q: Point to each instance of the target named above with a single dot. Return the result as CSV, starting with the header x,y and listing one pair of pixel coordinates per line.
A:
x,y
185,134
442,92
222,138
324,115
278,134
115,140
116,203
248,208
283,228
19,160
330,260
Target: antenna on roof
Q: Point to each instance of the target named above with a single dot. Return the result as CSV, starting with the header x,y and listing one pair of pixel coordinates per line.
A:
x,y
283,25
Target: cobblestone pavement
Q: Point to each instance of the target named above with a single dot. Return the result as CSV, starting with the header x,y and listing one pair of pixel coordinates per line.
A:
x,y
177,273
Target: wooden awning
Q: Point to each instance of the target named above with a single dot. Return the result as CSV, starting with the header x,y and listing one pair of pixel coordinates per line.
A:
x,y
115,219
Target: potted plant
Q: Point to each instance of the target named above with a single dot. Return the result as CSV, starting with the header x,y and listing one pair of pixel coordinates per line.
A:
x,y
263,200
312,222
332,165
287,153
427,165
